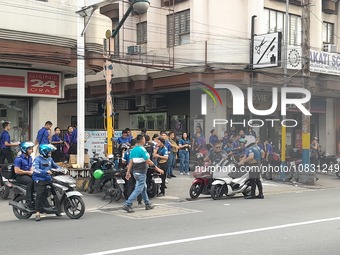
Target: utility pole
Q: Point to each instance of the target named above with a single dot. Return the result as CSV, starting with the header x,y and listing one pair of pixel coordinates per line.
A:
x,y
285,56
308,175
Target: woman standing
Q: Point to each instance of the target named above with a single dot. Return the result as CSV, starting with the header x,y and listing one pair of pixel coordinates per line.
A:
x,y
67,141
184,146
57,155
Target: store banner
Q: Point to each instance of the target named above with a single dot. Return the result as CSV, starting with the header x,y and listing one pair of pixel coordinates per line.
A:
x,y
30,84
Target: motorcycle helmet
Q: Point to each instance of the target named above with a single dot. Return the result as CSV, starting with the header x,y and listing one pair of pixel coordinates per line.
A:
x,y
45,149
251,140
25,145
98,174
242,140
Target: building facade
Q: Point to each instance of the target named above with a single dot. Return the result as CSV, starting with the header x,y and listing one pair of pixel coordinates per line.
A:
x,y
159,55
38,52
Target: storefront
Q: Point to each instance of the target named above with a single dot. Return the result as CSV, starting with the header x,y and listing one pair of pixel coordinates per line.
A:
x,y
28,99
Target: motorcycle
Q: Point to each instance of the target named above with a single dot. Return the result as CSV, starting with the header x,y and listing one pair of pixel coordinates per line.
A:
x,y
61,197
5,185
110,181
228,181
203,179
153,181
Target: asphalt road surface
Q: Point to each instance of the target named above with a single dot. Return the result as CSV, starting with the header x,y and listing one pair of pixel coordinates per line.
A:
x,y
300,222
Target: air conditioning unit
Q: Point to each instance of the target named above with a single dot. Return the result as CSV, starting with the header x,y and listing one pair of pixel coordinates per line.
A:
x,y
142,100
330,48
136,49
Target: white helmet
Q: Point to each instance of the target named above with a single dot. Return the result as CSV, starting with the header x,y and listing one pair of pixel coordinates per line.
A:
x,y
250,140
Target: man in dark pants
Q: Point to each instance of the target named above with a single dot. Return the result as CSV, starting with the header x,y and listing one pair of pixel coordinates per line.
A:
x,y
5,144
162,162
42,166
252,160
24,170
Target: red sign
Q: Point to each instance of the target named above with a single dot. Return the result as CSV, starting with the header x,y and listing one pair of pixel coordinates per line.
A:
x,y
11,81
43,83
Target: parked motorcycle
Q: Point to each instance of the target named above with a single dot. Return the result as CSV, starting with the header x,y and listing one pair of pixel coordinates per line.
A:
x,y
105,178
229,181
5,185
203,179
66,198
153,182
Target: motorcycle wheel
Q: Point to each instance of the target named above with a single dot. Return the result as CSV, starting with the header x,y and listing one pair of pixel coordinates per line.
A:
x,y
217,191
74,207
21,215
4,191
117,194
152,189
247,191
195,190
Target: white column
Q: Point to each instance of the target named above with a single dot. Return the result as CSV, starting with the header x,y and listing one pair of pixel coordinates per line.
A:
x,y
315,24
80,86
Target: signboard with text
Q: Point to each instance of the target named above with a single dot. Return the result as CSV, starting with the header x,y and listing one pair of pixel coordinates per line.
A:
x,y
320,61
29,83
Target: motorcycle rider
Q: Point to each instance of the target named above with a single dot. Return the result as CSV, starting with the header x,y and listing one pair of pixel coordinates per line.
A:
x,y
24,170
216,154
42,166
252,158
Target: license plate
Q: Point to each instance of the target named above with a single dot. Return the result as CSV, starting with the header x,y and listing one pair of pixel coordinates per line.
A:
x,y
120,181
157,180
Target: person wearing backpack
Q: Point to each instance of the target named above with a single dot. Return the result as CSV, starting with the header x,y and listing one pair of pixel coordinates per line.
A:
x,y
5,144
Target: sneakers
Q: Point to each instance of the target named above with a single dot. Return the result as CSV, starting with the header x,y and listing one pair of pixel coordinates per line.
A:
x,y
250,197
149,207
166,181
128,208
260,196
160,194
181,173
37,217
188,173
172,175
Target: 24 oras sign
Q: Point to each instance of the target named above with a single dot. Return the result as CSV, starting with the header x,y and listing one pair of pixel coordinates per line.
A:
x,y
43,83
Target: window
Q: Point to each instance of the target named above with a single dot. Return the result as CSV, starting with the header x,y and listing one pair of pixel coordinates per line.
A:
x,y
274,21
328,32
178,28
142,33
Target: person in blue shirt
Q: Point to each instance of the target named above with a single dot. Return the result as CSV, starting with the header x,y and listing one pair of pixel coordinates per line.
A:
x,y
24,170
42,178
5,144
269,150
130,137
213,138
162,162
251,132
44,134
253,156
124,138
139,159
57,142
74,139
229,149
67,141
184,147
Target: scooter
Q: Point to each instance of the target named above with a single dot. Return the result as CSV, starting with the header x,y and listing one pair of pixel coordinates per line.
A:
x,y
5,185
111,182
153,181
61,197
229,181
203,179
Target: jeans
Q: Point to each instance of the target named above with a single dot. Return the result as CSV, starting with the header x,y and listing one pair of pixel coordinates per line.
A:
x,y
184,161
171,159
140,188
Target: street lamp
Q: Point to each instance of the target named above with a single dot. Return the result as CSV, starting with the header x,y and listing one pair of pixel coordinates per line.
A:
x,y
141,7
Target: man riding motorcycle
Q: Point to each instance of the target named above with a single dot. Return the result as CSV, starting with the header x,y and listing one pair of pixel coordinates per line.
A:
x,y
24,170
42,166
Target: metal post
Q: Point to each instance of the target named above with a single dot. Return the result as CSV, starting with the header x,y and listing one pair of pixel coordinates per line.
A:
x,y
252,55
109,113
307,177
283,128
80,86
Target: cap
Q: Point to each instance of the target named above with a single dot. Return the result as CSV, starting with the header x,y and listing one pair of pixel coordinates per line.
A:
x,y
315,138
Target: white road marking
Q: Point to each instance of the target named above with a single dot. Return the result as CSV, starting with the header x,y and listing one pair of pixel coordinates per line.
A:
x,y
226,204
193,239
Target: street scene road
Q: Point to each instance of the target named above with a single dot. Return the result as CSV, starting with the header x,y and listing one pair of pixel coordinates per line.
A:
x,y
292,219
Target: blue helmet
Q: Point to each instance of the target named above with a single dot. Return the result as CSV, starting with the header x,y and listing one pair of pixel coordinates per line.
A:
x,y
45,149
25,145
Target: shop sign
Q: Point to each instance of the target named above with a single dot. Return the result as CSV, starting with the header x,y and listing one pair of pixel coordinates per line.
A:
x,y
29,83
